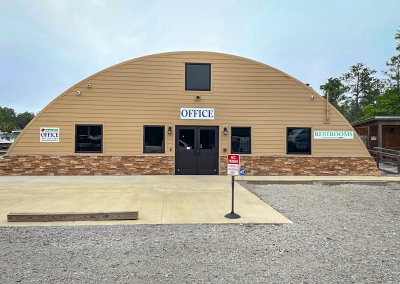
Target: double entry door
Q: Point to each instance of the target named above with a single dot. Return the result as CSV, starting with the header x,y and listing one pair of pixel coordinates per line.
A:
x,y
196,150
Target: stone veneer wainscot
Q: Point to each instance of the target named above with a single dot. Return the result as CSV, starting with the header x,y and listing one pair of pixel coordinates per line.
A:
x,y
86,165
164,165
305,166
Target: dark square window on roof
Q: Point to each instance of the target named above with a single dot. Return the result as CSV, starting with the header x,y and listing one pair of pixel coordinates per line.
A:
x,y
198,77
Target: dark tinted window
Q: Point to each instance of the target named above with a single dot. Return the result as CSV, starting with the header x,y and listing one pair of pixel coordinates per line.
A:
x,y
186,139
298,140
153,139
241,140
88,138
207,139
197,77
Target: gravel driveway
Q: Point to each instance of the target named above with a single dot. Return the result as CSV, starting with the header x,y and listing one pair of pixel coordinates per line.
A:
x,y
340,234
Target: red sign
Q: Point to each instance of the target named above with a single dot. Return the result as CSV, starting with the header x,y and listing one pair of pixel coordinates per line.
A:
x,y
233,165
233,159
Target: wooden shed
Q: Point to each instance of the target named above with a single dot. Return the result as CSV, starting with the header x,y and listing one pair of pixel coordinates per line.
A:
x,y
182,113
379,131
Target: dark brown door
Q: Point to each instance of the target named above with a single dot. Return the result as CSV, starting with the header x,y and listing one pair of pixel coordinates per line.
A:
x,y
196,150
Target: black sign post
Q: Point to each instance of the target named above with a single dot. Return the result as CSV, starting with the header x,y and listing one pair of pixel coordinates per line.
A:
x,y
233,215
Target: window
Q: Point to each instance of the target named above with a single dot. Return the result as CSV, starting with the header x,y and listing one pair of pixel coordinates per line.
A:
x,y
186,139
88,138
153,139
298,140
198,77
240,140
207,139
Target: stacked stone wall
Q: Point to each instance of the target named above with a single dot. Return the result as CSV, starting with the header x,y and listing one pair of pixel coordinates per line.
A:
x,y
86,165
164,165
305,166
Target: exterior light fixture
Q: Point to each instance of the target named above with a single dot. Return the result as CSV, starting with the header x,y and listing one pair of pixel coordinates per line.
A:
x,y
225,131
169,130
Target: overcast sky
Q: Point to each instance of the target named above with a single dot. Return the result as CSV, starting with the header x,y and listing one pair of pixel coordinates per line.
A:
x,y
46,46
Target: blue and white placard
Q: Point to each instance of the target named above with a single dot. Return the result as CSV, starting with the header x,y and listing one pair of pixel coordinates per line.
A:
x,y
197,113
241,172
49,134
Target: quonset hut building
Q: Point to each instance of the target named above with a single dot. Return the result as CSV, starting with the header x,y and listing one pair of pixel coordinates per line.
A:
x,y
182,113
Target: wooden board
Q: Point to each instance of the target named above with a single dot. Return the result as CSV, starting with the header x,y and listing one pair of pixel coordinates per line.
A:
x,y
72,216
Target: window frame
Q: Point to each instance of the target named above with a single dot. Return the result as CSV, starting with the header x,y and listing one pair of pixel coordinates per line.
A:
x,y
197,90
244,153
286,139
144,139
76,139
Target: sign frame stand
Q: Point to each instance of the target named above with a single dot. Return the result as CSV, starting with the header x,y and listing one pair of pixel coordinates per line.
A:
x,y
233,215
233,170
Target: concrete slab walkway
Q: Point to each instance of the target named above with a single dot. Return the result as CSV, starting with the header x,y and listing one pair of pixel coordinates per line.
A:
x,y
159,199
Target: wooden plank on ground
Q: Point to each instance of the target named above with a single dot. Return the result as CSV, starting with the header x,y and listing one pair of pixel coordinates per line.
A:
x,y
71,216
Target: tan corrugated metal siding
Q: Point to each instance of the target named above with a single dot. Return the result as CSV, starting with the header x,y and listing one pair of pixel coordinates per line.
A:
x,y
150,91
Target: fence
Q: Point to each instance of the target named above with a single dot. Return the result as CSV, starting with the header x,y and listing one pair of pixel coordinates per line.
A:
x,y
386,156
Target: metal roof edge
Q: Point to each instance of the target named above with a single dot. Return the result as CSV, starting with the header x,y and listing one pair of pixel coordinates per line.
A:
x,y
376,118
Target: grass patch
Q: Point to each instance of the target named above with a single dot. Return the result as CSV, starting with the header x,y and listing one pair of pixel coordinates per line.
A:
x,y
2,153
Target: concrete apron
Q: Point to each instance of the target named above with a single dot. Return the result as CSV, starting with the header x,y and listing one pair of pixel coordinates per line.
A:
x,y
159,199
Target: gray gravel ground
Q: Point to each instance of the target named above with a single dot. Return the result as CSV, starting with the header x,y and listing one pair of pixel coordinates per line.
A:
x,y
340,234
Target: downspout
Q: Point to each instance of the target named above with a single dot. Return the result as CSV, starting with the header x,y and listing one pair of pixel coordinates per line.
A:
x,y
326,119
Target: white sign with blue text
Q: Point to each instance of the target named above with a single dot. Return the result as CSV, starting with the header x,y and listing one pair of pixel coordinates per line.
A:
x,y
49,134
197,113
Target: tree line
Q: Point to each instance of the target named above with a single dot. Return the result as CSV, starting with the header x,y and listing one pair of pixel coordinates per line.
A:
x,y
358,94
10,120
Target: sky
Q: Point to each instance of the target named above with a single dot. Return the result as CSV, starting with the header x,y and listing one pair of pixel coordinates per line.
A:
x,y
47,46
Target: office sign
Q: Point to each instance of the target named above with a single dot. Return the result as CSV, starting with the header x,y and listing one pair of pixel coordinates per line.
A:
x,y
49,134
233,165
333,135
197,113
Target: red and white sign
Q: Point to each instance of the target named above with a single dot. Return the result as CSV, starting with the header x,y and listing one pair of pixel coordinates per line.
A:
x,y
233,165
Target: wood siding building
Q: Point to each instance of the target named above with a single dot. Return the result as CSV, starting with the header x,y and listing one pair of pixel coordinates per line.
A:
x,y
256,110
379,131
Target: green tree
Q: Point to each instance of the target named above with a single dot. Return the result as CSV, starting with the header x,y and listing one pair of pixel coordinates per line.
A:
x,y
336,92
397,37
374,88
360,84
386,105
348,109
8,114
7,127
22,119
393,73
19,120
